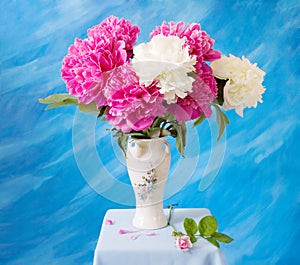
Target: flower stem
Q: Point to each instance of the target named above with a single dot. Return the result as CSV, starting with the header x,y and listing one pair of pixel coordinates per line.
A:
x,y
170,216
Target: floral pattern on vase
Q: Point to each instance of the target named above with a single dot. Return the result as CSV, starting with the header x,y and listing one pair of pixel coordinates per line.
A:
x,y
147,186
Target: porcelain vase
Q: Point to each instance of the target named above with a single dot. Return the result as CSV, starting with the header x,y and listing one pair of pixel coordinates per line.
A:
x,y
148,163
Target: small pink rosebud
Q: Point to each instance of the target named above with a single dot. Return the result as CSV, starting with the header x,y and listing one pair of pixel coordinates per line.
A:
x,y
184,243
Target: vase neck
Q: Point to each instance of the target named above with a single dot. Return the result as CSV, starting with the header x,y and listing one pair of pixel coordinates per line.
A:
x,y
142,149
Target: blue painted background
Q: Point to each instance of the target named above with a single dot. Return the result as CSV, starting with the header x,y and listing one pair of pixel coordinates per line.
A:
x,y
50,212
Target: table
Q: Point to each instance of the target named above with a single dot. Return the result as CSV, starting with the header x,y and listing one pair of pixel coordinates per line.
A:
x,y
114,248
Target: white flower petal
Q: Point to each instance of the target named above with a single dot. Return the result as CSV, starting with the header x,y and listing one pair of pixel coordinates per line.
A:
x,y
164,59
244,86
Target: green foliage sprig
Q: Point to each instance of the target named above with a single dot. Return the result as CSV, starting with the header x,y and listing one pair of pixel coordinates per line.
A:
x,y
206,228
161,126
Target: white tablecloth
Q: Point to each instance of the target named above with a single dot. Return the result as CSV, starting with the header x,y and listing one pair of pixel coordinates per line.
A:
x,y
159,249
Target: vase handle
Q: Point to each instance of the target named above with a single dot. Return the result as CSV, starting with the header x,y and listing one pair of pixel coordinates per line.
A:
x,y
135,150
167,146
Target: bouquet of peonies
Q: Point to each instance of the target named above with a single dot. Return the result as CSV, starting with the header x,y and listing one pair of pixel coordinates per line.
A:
x,y
151,89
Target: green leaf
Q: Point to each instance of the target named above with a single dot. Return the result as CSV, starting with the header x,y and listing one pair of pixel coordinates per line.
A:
x,y
157,122
88,108
221,119
190,226
199,120
56,98
192,74
192,238
180,128
154,132
102,111
213,241
63,103
222,237
122,141
221,84
170,117
137,135
61,100
208,225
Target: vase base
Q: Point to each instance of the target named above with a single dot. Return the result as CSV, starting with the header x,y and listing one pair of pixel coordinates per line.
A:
x,y
150,217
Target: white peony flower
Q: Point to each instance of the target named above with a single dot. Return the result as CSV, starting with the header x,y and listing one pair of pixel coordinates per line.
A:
x,y
244,86
165,60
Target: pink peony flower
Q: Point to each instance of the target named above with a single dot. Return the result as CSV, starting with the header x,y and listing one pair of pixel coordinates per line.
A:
x,y
198,41
200,45
207,76
107,46
83,67
184,243
195,103
118,29
132,106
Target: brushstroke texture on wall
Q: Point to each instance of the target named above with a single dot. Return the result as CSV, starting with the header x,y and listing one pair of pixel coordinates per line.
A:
x,y
51,206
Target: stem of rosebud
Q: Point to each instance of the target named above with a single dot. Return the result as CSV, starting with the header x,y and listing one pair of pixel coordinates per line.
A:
x,y
169,218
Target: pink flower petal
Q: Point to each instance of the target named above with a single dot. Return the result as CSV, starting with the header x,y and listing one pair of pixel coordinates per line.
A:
x,y
184,243
109,222
123,231
132,106
108,45
134,237
150,234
